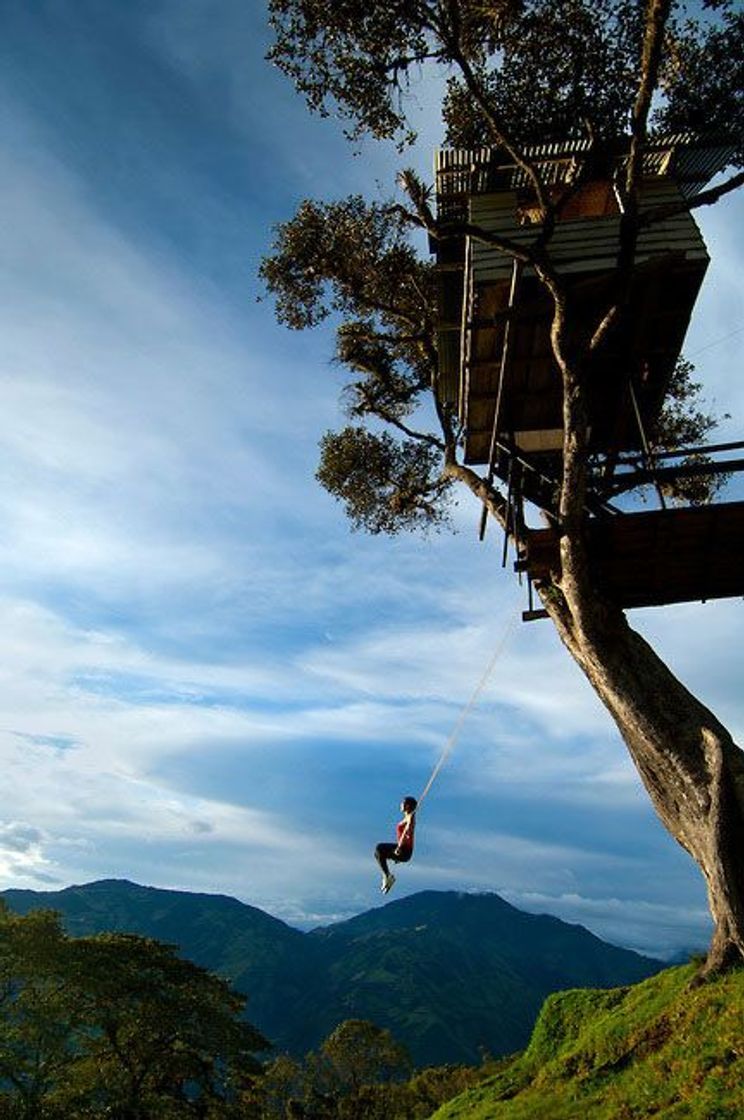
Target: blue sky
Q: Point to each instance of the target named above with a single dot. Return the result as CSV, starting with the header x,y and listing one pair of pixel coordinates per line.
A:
x,y
207,681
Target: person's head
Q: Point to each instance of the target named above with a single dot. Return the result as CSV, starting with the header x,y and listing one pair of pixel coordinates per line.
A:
x,y
408,804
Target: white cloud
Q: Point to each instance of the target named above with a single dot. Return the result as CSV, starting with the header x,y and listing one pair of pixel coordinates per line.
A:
x,y
22,853
634,923
138,416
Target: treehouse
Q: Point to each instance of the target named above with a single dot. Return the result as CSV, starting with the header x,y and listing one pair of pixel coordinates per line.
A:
x,y
496,363
497,370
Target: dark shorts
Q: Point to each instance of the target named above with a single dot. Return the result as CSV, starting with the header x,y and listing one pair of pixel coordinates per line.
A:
x,y
385,852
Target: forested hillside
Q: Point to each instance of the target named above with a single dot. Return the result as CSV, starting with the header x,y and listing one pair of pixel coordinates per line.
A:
x,y
451,975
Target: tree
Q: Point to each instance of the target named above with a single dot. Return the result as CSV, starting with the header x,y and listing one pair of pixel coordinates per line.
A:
x,y
157,1035
361,1053
611,73
358,1071
115,1025
282,1081
430,1088
36,1015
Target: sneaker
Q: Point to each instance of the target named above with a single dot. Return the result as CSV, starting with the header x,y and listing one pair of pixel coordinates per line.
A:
x,y
387,886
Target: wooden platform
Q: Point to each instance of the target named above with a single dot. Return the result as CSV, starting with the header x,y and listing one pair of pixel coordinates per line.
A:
x,y
656,557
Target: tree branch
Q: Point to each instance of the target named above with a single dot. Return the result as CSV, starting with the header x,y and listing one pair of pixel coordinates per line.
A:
x,y
404,61
606,322
394,339
500,135
657,15
422,437
704,198
480,487
450,36
513,249
379,307
425,220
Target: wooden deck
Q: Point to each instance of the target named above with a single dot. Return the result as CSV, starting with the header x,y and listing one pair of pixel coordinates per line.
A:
x,y
656,557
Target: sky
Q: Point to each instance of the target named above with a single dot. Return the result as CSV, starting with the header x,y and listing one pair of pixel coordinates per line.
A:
x,y
207,681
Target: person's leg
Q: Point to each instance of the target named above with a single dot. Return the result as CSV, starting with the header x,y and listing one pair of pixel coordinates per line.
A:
x,y
384,852
397,857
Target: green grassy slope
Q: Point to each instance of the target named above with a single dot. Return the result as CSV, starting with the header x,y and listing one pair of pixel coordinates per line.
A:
x,y
659,1048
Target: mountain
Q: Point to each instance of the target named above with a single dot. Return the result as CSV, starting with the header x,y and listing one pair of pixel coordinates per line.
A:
x,y
263,957
461,973
450,974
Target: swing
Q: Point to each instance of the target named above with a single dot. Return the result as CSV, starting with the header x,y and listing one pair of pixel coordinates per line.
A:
x,y
389,879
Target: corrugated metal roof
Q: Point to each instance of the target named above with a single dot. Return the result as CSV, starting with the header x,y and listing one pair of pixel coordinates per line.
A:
x,y
692,161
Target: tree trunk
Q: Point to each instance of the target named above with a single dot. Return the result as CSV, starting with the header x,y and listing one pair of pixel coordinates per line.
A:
x,y
688,762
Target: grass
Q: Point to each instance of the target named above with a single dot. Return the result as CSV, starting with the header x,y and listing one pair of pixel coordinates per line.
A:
x,y
658,1049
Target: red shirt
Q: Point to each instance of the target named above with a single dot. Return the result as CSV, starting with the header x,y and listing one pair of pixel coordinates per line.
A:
x,y
404,833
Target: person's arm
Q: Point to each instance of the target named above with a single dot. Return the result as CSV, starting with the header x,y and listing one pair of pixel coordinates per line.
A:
x,y
408,818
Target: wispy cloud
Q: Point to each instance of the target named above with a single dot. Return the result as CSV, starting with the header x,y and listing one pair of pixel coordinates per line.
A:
x,y
634,923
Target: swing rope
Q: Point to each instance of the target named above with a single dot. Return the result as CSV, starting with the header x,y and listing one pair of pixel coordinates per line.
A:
x,y
455,733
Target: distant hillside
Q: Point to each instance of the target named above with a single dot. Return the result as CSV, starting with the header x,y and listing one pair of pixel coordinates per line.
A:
x,y
450,974
262,956
656,1049
462,973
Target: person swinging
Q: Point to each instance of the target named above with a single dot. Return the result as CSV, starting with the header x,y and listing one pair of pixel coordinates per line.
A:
x,y
402,850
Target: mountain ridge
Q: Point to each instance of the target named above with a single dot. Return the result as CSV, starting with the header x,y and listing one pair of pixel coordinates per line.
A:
x,y
451,974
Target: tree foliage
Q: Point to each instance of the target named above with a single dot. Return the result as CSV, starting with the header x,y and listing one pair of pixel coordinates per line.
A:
x,y
355,259
565,70
359,1071
115,1025
684,424
703,77
37,1017
345,257
360,1052
385,484
540,68
356,57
